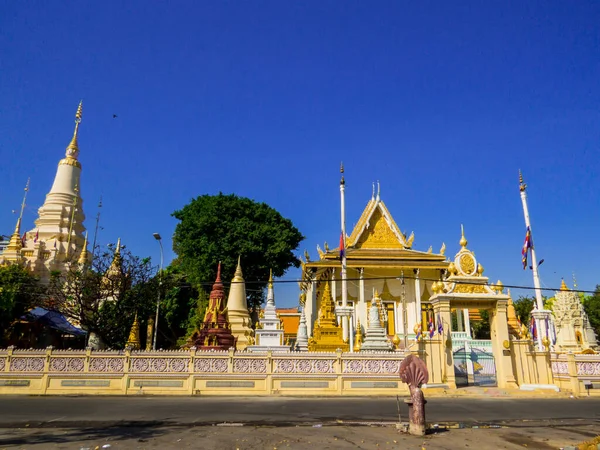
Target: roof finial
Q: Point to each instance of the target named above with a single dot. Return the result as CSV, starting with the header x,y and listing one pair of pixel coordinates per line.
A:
x,y
270,279
342,181
463,241
373,194
378,191
73,147
522,185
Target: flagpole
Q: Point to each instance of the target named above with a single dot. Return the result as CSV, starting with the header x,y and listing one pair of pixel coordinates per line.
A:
x,y
539,301
346,320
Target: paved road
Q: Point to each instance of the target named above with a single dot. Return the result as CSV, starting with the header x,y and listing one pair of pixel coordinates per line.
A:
x,y
81,411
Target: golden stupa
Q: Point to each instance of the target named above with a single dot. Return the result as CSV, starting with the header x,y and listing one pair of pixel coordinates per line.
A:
x,y
327,335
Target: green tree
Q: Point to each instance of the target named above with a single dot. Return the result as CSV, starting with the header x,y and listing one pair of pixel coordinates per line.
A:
x,y
523,307
591,305
215,228
104,296
178,305
19,291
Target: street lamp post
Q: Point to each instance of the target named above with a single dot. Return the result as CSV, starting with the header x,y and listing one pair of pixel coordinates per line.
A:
x,y
159,239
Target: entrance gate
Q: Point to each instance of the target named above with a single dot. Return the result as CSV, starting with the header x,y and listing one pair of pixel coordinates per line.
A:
x,y
474,367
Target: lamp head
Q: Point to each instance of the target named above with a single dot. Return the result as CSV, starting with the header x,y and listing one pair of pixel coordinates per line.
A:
x,y
156,236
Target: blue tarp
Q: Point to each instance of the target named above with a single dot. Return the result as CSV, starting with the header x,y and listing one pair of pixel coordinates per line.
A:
x,y
53,320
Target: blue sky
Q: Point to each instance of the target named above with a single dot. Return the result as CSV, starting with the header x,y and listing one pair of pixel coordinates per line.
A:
x,y
442,102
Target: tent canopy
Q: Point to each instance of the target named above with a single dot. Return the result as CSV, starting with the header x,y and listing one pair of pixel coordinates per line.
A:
x,y
53,320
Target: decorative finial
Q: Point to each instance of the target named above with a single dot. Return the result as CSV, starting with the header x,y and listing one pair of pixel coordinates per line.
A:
x,y
218,279
238,270
378,191
118,249
342,182
270,278
443,249
522,185
563,286
83,256
463,241
373,194
73,147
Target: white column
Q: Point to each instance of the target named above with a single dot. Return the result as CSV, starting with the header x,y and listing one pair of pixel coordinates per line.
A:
x,y
351,330
312,311
467,322
459,321
417,296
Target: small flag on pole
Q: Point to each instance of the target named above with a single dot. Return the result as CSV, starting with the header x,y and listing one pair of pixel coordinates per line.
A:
x,y
440,326
431,327
533,329
37,235
342,249
418,336
526,247
24,239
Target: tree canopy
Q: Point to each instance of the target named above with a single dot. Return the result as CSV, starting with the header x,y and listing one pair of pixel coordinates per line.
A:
x,y
215,228
19,291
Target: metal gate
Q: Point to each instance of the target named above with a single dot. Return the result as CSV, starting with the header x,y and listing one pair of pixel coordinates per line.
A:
x,y
474,367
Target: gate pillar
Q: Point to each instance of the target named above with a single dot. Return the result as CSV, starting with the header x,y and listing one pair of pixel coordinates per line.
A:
x,y
500,345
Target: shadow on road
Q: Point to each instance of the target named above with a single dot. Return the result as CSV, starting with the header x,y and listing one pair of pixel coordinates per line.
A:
x,y
47,435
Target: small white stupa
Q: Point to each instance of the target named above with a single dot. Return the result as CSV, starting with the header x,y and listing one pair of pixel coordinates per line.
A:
x,y
376,339
269,333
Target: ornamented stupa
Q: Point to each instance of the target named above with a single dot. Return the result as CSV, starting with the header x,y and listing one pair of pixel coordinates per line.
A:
x,y
269,333
573,329
302,335
376,339
58,236
327,334
215,333
237,310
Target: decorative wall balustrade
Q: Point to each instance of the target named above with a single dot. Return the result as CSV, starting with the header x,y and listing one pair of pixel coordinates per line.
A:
x,y
198,362
577,372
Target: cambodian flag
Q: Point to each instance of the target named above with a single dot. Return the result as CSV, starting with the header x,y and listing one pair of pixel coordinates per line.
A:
x,y
526,246
440,326
431,327
533,329
24,239
342,249
37,235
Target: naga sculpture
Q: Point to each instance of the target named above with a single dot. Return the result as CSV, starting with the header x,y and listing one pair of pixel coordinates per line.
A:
x,y
413,372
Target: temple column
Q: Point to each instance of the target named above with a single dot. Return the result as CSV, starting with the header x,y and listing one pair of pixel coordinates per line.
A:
x,y
419,317
362,309
467,322
459,320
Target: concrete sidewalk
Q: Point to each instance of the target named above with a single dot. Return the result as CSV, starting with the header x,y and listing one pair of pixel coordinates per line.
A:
x,y
300,438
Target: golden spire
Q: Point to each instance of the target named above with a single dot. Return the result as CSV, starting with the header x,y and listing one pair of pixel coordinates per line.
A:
x,y
270,279
522,185
463,241
84,255
73,147
563,286
342,182
134,335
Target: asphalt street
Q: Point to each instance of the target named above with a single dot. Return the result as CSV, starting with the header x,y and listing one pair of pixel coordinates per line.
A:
x,y
106,411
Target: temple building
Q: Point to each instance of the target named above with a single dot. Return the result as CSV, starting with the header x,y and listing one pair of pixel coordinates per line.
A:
x,y
58,235
379,257
573,329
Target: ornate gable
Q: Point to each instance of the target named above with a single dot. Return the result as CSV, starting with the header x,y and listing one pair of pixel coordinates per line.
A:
x,y
376,229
